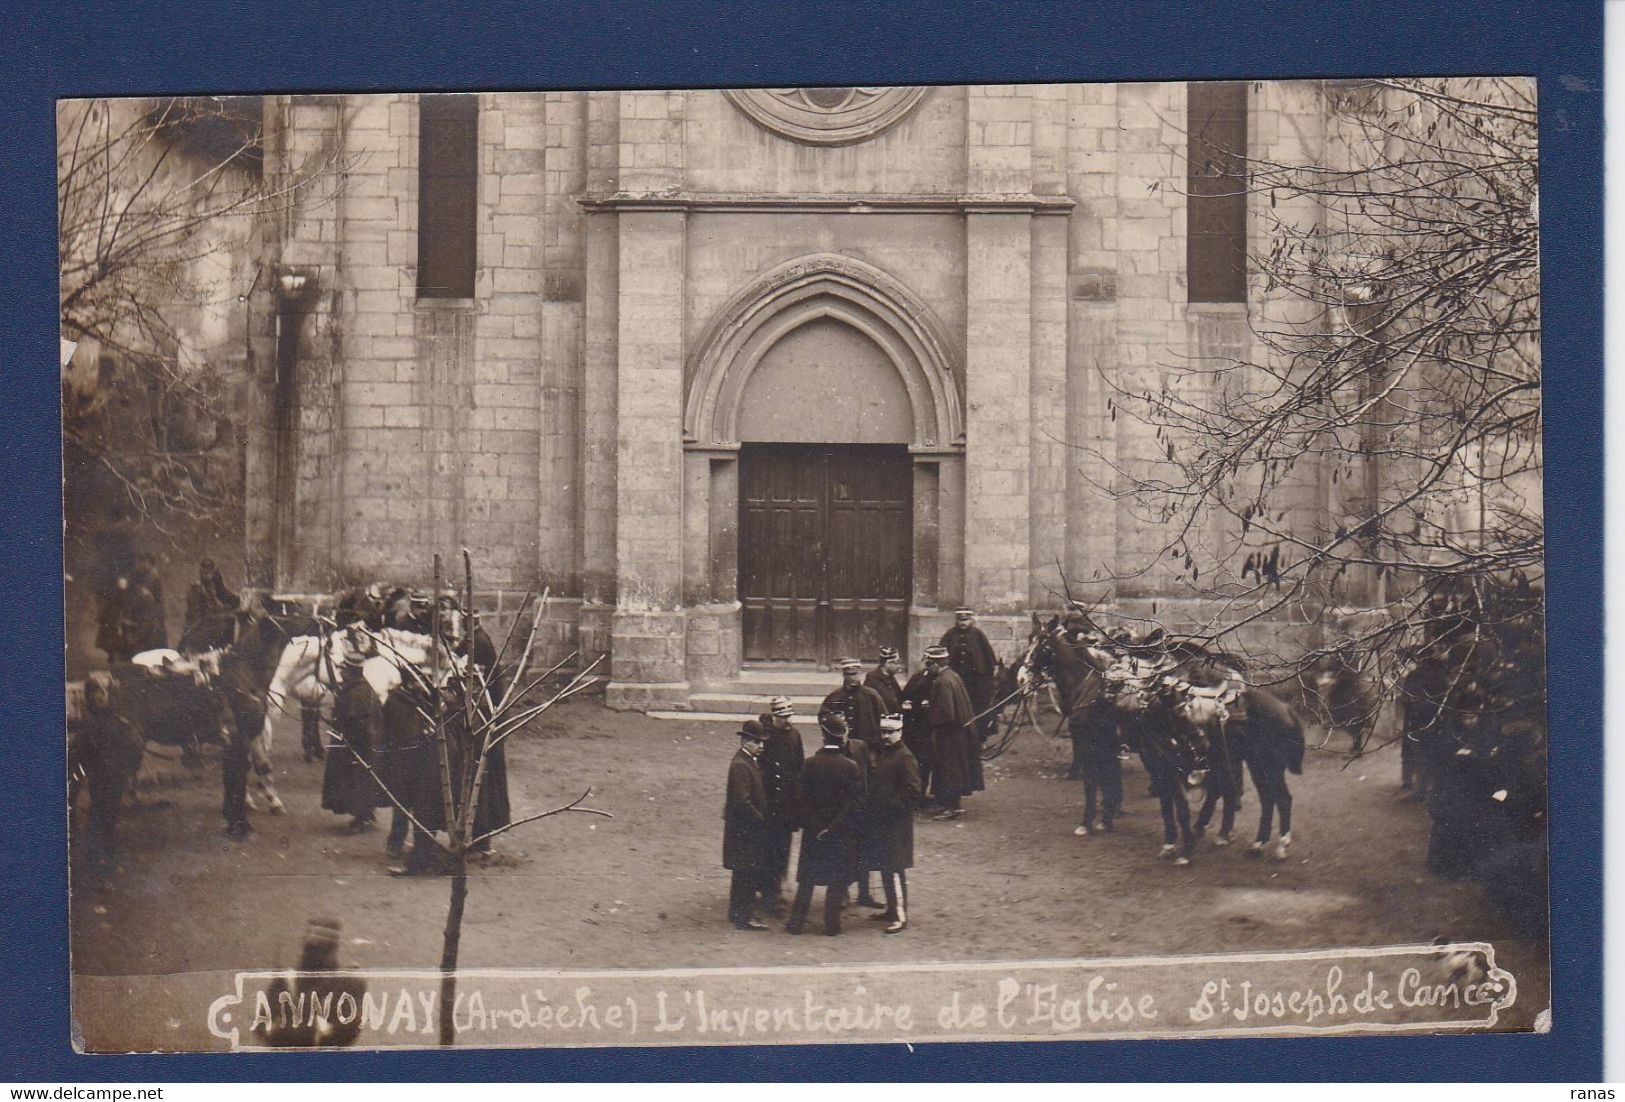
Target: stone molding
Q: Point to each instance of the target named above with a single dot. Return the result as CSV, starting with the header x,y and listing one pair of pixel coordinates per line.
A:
x,y
808,287
838,203
826,116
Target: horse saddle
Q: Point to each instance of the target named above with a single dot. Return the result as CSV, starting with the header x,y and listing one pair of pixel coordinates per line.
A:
x,y
1208,705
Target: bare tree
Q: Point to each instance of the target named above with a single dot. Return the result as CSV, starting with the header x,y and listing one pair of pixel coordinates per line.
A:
x,y
1394,371
157,199
468,719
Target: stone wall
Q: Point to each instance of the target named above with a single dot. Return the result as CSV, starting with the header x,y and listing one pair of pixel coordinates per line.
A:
x,y
539,424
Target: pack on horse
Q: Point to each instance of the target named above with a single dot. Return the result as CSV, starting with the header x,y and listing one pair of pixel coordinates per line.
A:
x,y
1193,720
1237,725
307,672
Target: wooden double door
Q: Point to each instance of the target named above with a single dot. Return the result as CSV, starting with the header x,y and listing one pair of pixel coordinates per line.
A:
x,y
825,550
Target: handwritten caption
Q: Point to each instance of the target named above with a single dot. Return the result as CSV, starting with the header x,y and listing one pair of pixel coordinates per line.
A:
x,y
1404,989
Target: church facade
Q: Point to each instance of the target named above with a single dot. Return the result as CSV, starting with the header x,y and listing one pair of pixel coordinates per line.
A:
x,y
749,376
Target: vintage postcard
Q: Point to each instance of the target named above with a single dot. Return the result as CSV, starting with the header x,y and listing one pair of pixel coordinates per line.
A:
x,y
804,565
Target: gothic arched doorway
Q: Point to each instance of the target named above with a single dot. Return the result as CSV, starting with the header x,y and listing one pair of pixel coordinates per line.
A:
x,y
825,441
825,498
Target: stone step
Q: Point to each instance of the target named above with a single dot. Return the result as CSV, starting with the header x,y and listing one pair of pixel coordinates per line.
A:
x,y
789,681
751,704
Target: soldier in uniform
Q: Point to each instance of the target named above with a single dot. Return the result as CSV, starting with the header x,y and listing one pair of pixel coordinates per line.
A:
x,y
320,979
971,657
831,791
347,786
883,680
747,847
862,708
948,716
781,761
917,736
894,790
861,705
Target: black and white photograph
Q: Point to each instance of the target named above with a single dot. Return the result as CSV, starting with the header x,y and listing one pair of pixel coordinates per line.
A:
x,y
802,565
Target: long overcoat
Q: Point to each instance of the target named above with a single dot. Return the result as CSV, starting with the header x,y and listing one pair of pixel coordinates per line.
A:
x,y
831,791
891,693
411,760
917,733
746,843
958,764
894,791
970,655
347,787
782,758
862,707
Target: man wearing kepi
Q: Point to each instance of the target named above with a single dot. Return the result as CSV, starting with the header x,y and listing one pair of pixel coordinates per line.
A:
x,y
831,790
747,849
861,705
971,656
883,680
894,790
781,761
947,716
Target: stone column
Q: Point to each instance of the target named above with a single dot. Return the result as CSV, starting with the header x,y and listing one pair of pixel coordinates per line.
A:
x,y
998,364
648,644
998,350
599,355
647,632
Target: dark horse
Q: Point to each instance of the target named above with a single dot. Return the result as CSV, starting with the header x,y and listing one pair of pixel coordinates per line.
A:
x,y
1144,716
1193,720
1239,725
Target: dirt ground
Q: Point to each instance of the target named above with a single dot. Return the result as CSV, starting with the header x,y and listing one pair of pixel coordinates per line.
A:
x,y
646,888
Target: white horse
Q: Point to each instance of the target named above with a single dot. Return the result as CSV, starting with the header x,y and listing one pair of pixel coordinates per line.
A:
x,y
309,665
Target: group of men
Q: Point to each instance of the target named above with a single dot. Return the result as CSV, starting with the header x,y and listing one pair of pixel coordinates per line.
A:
x,y
393,746
887,749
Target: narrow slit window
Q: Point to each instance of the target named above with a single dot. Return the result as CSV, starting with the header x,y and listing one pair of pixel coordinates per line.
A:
x,y
1216,191
448,191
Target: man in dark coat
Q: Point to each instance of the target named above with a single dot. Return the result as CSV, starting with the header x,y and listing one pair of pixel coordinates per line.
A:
x,y
246,670
411,769
831,790
495,809
747,848
110,624
862,708
894,791
948,715
883,680
207,598
971,657
347,786
781,761
860,705
917,736
106,751
142,620
319,984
